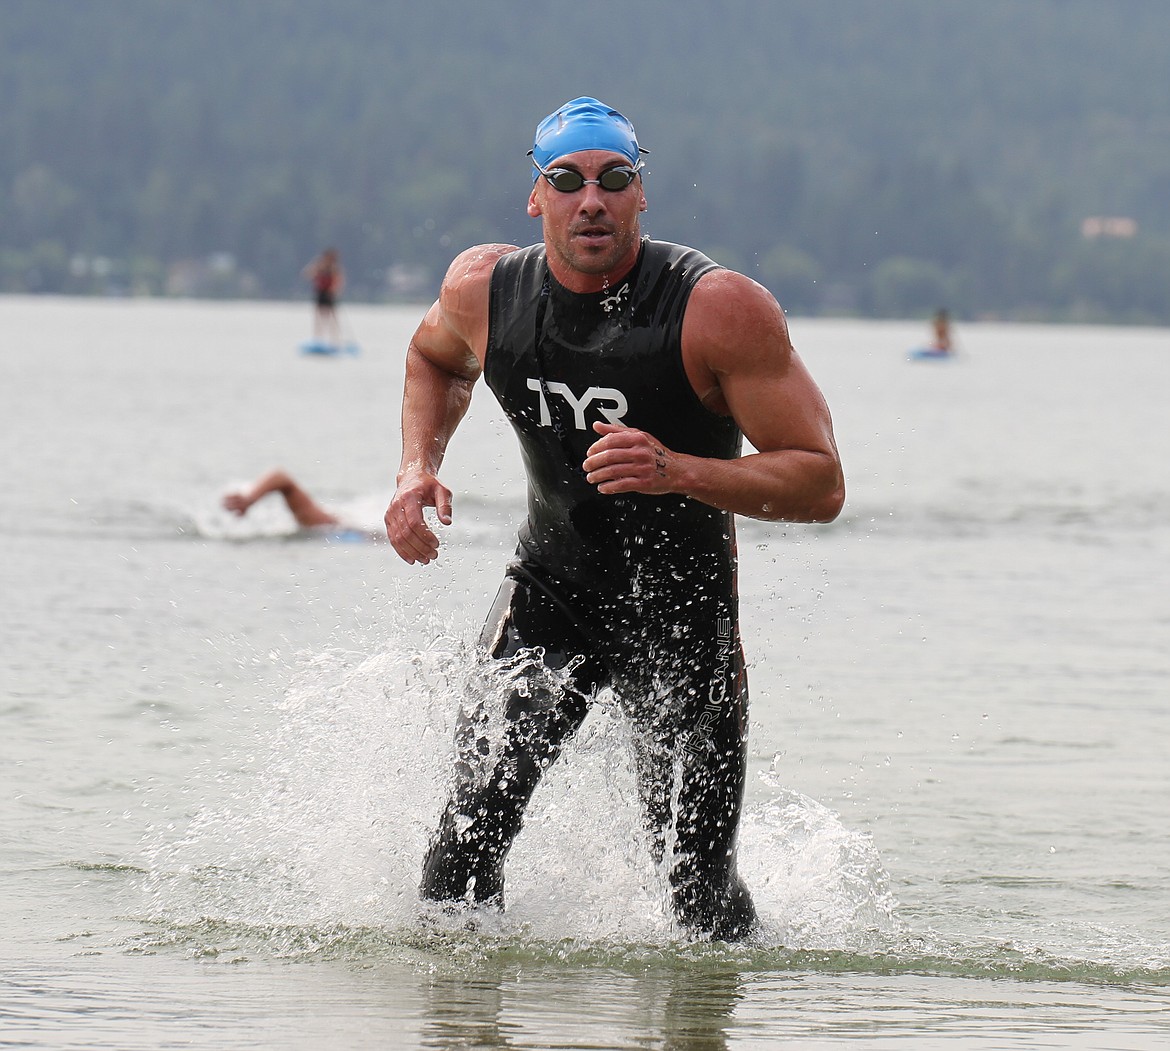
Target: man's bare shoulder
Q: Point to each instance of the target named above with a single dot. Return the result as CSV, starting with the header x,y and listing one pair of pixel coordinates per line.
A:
x,y
725,293
470,272
462,308
729,314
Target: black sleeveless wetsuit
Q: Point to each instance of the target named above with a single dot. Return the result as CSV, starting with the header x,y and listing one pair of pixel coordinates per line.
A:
x,y
633,591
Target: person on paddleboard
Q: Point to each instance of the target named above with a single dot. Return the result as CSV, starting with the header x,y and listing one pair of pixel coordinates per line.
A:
x,y
631,371
327,278
941,330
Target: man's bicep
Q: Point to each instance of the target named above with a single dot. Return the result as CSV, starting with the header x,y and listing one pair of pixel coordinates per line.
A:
x,y
777,404
442,345
763,382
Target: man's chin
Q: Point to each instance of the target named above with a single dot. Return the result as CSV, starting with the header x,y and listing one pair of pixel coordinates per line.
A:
x,y
597,258
594,248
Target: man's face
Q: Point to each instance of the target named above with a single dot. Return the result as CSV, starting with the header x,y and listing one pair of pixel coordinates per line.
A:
x,y
591,232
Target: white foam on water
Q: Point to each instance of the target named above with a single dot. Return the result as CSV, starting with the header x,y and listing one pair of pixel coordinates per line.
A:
x,y
817,884
325,820
582,867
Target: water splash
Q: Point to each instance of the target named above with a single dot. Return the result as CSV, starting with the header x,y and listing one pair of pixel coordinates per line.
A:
x,y
817,883
325,817
322,822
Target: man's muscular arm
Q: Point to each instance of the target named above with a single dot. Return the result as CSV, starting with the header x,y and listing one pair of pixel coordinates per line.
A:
x,y
740,362
443,361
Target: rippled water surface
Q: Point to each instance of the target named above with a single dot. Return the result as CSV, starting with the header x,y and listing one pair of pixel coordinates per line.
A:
x,y
225,743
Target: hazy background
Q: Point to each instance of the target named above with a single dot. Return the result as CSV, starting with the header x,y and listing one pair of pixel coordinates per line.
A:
x,y
1007,159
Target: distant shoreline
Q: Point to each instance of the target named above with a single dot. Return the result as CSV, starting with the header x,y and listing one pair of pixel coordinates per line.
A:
x,y
1070,318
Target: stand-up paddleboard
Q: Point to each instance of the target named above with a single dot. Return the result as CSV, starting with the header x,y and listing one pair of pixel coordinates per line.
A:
x,y
317,346
929,354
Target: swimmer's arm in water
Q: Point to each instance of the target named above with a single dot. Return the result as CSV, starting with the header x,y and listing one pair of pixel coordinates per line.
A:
x,y
444,360
307,512
740,361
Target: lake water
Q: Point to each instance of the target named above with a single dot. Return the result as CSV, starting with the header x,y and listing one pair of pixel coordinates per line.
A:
x,y
225,745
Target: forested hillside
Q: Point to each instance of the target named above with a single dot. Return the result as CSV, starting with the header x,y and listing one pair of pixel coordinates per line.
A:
x,y
1003,158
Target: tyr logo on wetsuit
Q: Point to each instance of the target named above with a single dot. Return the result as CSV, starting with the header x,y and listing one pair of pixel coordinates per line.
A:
x,y
612,404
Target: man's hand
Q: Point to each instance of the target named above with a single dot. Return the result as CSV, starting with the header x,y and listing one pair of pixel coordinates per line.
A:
x,y
627,460
406,527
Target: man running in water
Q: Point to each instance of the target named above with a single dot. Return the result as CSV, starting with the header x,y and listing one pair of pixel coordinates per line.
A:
x,y
631,370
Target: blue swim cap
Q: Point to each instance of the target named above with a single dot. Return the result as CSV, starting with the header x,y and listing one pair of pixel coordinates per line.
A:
x,y
583,124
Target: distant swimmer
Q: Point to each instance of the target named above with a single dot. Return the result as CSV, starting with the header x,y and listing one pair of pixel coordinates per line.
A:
x,y
307,512
631,371
327,278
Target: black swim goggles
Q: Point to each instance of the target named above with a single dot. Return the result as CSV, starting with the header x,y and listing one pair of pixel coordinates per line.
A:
x,y
566,180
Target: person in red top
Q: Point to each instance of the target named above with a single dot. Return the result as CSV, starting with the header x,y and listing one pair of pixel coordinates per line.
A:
x,y
327,277
942,332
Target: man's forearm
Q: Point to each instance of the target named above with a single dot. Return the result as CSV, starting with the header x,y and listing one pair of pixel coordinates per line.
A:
x,y
792,485
433,403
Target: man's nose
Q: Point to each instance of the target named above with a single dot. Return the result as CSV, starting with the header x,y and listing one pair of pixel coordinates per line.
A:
x,y
592,199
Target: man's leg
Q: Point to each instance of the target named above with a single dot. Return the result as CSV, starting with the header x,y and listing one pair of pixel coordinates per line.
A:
x,y
709,895
494,780
691,769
